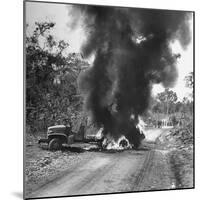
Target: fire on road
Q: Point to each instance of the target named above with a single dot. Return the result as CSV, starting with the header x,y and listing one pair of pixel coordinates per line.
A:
x,y
111,172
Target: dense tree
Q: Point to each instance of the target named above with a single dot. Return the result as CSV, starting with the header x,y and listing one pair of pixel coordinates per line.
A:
x,y
189,80
51,74
168,98
165,104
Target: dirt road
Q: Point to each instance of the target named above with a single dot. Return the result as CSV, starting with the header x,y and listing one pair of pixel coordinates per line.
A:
x,y
111,172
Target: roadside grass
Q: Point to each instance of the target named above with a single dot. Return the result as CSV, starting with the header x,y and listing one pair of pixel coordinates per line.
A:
x,y
179,144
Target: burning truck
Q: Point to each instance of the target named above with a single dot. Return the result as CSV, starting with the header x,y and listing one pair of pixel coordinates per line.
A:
x,y
60,135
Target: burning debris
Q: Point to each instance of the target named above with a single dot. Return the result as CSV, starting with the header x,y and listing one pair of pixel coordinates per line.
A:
x,y
141,126
132,52
121,144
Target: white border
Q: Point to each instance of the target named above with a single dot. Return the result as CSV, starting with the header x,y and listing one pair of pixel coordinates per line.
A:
x,y
11,112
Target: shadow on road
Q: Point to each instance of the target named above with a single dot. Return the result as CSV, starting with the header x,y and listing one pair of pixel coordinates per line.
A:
x,y
19,195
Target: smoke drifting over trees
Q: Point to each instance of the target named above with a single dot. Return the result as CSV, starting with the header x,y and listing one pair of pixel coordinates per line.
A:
x,y
132,51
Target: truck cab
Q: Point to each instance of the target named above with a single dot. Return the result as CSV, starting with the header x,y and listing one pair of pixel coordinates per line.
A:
x,y
57,136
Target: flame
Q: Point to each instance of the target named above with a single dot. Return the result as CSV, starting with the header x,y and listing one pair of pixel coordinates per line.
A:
x,y
141,126
99,134
121,144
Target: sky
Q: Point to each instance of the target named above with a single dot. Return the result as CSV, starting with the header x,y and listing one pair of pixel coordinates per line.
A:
x,y
59,13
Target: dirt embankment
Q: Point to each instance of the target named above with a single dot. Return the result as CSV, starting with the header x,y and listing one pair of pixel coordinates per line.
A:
x,y
178,146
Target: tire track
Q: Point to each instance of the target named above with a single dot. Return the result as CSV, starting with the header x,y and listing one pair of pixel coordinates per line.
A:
x,y
143,172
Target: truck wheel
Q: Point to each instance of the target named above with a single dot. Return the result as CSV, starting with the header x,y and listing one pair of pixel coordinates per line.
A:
x,y
55,144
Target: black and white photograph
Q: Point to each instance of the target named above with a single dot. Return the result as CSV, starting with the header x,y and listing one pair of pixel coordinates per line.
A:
x,y
108,99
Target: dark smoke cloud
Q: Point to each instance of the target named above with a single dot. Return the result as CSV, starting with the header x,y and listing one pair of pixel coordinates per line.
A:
x,y
132,51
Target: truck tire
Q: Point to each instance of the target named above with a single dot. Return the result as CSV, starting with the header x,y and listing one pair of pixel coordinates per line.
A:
x,y
55,144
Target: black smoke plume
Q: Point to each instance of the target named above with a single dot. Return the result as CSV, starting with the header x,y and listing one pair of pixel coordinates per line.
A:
x,y
132,51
